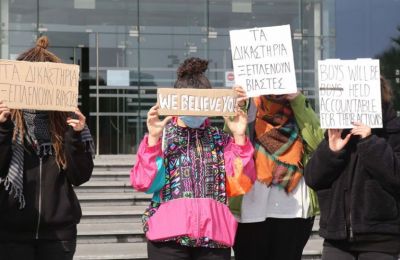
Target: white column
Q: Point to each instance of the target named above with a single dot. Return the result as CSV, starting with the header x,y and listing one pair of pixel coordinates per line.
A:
x,y
4,21
318,48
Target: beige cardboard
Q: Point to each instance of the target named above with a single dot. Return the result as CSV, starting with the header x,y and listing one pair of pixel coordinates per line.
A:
x,y
196,102
39,85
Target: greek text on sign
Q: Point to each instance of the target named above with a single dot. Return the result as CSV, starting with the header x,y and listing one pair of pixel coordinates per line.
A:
x,y
39,85
196,102
263,60
349,91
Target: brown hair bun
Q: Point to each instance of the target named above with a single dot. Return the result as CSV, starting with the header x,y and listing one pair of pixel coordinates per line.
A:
x,y
42,42
39,53
191,67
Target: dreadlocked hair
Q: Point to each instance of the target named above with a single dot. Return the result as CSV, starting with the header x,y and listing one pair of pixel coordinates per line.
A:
x,y
57,123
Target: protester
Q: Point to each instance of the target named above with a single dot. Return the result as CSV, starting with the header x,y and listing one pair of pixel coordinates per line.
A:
x,y
42,154
277,215
356,174
192,178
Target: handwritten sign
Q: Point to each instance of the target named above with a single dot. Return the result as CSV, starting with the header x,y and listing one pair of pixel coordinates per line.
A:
x,y
349,91
263,60
39,85
196,102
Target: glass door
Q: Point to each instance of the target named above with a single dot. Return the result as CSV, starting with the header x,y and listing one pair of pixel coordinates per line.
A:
x,y
73,48
115,95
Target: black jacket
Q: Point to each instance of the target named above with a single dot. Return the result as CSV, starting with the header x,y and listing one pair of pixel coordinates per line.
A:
x,y
52,209
359,188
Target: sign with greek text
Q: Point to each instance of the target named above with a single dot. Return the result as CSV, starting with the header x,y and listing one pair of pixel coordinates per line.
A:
x,y
349,91
39,85
263,60
196,102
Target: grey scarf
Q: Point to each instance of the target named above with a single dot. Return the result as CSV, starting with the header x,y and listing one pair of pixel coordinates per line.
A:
x,y
39,137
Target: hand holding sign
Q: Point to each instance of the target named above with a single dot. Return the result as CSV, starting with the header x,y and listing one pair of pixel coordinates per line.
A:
x,y
155,125
361,130
4,112
291,97
241,94
336,142
77,124
238,126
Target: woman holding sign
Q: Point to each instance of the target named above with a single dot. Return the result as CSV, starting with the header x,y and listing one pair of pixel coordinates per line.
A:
x,y
277,215
192,177
42,154
356,173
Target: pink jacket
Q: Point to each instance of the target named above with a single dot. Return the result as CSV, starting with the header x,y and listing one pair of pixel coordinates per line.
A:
x,y
199,216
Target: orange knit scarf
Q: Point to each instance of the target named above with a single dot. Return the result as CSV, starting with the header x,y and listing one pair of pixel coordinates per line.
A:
x,y
279,147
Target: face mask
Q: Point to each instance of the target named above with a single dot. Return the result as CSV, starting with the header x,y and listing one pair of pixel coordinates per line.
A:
x,y
193,121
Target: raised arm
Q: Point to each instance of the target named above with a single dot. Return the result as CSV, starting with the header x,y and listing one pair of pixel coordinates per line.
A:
x,y
149,155
6,131
78,155
307,121
324,167
79,159
239,166
145,169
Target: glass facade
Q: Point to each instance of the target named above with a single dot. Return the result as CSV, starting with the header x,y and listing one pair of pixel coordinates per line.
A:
x,y
128,48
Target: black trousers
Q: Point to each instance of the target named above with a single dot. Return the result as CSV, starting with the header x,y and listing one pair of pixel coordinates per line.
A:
x,y
273,239
174,251
38,250
334,253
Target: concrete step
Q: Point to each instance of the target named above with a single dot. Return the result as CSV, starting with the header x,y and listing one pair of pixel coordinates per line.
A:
x,y
89,199
313,248
112,214
114,161
111,251
89,233
105,186
138,251
110,175
315,229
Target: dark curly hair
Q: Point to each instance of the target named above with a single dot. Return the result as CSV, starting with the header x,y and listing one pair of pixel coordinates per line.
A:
x,y
191,74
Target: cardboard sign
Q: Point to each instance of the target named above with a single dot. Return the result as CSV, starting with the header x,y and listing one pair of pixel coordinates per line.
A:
x,y
263,60
39,85
196,102
349,91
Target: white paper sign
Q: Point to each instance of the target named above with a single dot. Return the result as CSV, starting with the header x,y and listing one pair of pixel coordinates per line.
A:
x,y
349,91
263,60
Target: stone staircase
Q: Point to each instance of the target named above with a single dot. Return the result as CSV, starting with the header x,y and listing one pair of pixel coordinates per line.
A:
x,y
111,226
